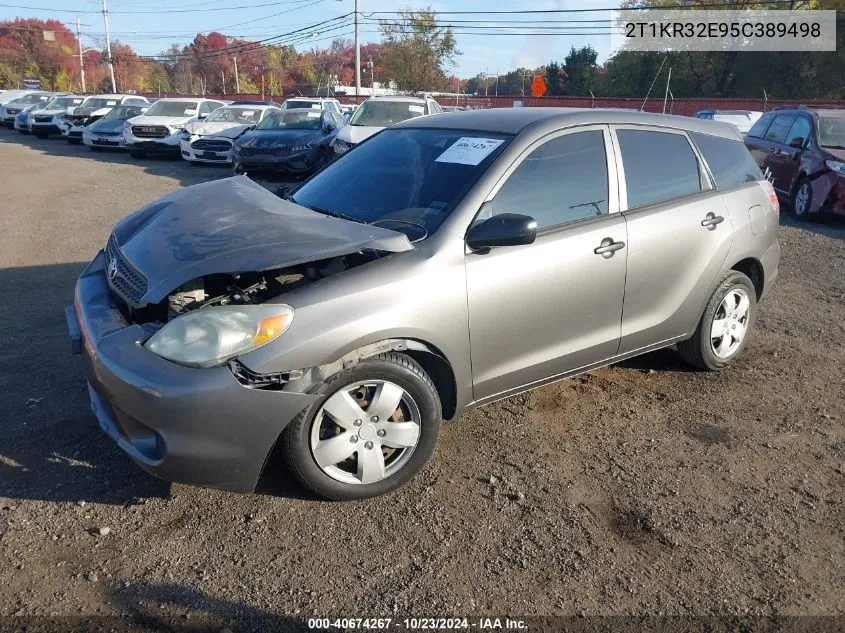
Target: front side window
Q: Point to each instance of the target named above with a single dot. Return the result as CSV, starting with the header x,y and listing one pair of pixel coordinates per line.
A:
x,y
778,129
407,180
730,161
658,166
563,180
801,129
758,130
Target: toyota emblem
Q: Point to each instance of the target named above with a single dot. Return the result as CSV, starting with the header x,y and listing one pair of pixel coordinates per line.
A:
x,y
112,269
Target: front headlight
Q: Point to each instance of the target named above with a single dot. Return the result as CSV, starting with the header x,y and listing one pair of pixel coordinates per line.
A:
x,y
209,337
835,165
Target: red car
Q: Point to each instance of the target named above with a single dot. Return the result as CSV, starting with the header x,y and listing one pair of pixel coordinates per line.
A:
x,y
804,149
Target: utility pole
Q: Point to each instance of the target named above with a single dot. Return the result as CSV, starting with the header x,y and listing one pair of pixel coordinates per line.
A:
x,y
485,82
237,78
108,45
497,82
357,54
81,60
223,75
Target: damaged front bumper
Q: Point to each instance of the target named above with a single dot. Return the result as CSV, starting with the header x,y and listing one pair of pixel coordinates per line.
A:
x,y
302,162
829,190
199,426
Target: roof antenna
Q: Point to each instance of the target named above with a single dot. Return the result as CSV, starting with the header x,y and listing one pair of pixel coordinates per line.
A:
x,y
642,107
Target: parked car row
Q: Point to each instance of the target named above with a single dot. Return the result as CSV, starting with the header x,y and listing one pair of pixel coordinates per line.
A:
x,y
297,137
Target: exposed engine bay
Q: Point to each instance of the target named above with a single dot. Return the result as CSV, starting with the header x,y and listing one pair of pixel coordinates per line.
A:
x,y
247,288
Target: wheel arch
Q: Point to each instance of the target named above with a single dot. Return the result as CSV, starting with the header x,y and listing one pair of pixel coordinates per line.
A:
x,y
752,268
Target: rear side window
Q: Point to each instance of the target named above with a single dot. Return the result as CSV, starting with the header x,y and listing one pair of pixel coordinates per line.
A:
x,y
730,162
658,166
800,129
563,180
758,130
778,129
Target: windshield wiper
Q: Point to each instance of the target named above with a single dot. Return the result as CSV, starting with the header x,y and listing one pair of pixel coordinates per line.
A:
x,y
334,214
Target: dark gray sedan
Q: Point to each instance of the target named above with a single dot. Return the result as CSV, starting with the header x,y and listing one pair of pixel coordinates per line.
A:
x,y
446,263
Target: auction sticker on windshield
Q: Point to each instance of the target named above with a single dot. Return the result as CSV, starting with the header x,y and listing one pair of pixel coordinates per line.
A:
x,y
469,150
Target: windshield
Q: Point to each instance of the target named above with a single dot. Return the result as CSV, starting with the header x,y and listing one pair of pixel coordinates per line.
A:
x,y
172,108
124,112
244,116
33,98
385,113
97,103
60,103
832,132
292,120
293,104
406,180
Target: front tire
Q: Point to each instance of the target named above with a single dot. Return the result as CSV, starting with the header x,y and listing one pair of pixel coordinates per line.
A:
x,y
373,429
725,325
802,198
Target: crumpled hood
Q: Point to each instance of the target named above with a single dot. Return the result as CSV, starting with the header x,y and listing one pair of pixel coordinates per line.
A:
x,y
83,112
162,120
233,225
226,129
270,139
356,133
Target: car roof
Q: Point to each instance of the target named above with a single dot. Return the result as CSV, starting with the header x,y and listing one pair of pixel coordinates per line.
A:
x,y
515,120
188,99
832,112
397,98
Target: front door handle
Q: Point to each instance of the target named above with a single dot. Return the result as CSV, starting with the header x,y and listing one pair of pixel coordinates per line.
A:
x,y
608,247
711,220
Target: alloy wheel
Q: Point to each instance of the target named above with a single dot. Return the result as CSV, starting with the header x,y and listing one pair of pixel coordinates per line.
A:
x,y
802,199
730,323
365,432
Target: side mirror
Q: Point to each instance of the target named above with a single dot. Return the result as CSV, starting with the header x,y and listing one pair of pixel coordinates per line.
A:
x,y
505,229
201,116
797,142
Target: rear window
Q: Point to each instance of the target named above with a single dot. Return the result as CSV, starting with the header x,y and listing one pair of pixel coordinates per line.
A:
x,y
730,162
658,166
758,130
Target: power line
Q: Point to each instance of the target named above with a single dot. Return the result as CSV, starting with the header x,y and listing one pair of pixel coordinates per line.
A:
x,y
728,5
204,10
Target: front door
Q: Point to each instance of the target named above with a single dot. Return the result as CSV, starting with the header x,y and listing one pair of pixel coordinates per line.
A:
x,y
547,308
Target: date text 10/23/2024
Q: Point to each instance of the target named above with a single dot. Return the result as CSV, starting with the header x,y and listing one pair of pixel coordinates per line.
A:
x,y
418,624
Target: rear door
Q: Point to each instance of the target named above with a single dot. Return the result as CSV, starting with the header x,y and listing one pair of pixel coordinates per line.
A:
x,y
679,234
785,160
543,309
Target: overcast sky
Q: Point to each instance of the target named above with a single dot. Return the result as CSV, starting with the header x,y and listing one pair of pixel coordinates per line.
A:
x,y
483,51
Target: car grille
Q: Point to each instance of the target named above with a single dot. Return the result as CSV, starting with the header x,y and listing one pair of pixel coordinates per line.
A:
x,y
43,118
210,145
255,151
122,276
150,131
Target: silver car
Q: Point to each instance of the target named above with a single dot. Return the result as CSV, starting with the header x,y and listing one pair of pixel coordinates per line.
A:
x,y
448,262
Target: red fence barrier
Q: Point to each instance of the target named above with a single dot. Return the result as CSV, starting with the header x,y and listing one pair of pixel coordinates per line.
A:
x,y
684,106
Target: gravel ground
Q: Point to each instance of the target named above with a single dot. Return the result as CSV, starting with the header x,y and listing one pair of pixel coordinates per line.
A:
x,y
640,489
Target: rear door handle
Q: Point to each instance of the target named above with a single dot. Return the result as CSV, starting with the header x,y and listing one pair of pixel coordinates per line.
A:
x,y
711,220
608,247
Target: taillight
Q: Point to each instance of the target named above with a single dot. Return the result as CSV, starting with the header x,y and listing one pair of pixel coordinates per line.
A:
x,y
770,191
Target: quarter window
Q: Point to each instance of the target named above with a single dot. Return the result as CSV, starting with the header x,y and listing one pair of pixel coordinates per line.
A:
x,y
563,180
658,166
778,129
730,162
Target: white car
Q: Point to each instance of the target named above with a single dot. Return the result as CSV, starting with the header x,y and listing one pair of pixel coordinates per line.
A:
x,y
48,120
92,109
210,141
742,120
13,108
319,103
159,129
377,113
23,120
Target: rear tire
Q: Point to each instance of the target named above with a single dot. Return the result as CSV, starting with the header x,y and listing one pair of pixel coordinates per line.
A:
x,y
396,453
723,330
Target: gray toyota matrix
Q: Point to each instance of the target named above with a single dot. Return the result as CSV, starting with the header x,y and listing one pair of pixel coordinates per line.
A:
x,y
445,263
